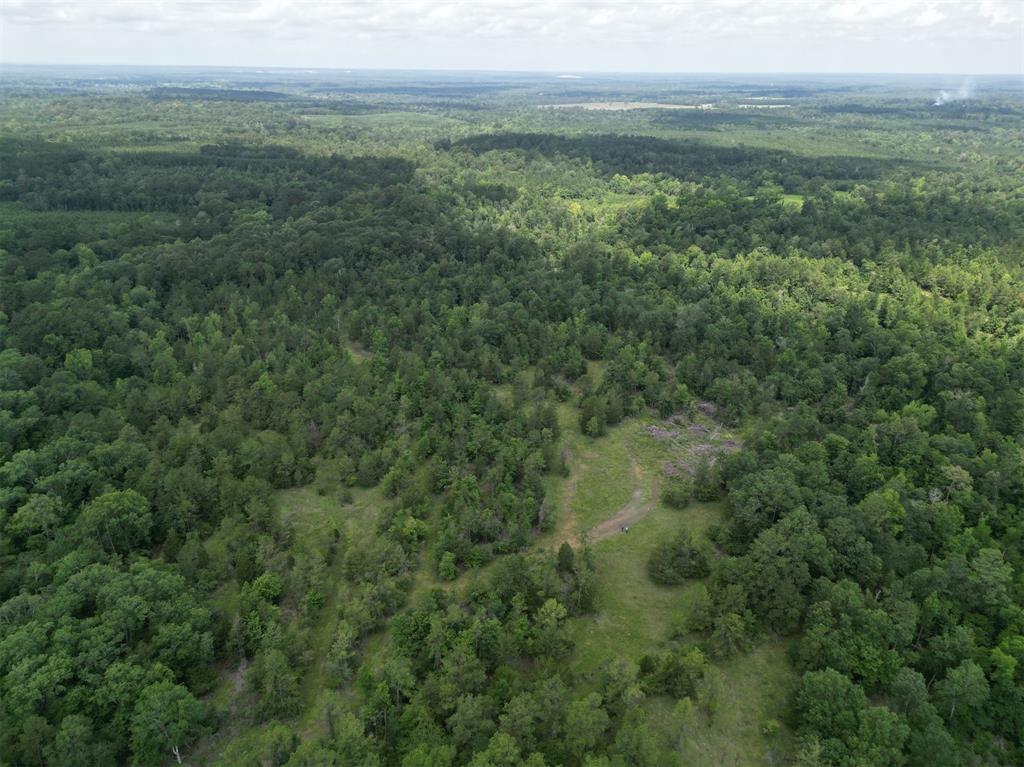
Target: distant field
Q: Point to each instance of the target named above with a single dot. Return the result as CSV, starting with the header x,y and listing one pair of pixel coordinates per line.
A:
x,y
623,106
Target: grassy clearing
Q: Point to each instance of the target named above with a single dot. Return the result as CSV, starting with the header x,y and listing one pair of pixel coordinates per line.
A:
x,y
611,204
604,473
635,616
602,480
314,518
358,354
752,690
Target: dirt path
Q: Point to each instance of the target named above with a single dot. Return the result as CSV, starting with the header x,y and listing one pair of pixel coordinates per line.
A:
x,y
238,683
638,507
567,514
630,514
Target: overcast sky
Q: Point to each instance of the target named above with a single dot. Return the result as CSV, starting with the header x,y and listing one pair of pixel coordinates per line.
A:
x,y
943,36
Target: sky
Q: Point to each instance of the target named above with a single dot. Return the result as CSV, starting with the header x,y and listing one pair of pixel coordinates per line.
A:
x,y
898,36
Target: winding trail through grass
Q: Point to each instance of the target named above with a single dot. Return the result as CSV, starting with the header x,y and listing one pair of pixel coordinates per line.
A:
x,y
629,514
640,504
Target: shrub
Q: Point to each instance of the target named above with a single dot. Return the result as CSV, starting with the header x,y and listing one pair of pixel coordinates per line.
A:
x,y
672,562
677,492
446,569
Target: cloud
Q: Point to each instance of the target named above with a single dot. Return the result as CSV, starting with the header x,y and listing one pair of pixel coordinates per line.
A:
x,y
929,17
514,31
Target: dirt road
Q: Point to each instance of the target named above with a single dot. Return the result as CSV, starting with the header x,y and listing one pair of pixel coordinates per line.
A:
x,y
630,514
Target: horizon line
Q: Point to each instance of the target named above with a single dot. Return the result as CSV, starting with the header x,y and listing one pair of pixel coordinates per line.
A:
x,y
555,72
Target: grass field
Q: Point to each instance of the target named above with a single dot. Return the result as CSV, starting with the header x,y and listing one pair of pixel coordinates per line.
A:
x,y
633,613
752,691
314,518
635,616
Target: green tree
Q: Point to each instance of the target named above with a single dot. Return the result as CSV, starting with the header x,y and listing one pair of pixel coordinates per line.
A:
x,y
672,562
585,725
471,724
446,568
120,521
167,719
963,692
676,492
566,558
275,684
851,733
549,638
339,665
729,635
77,744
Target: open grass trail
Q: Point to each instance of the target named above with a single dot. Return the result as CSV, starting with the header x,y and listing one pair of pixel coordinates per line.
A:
x,y
614,481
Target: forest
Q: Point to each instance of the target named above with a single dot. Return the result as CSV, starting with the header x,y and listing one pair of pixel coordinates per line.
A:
x,y
395,420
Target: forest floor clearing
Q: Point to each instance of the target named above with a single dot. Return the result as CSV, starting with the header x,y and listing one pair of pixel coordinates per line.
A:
x,y
614,481
621,520
635,616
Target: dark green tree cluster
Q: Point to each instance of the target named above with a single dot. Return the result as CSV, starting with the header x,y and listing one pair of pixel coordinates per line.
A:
x,y
156,395
674,561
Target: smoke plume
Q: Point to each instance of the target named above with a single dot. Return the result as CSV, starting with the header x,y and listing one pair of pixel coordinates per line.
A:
x,y
964,92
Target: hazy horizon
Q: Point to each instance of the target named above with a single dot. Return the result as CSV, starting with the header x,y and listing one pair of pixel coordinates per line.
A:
x,y
869,37
583,73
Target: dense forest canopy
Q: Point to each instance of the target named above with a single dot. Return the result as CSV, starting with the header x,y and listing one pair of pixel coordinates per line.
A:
x,y
317,392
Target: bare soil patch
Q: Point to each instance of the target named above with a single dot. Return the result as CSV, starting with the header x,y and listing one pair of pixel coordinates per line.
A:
x,y
694,442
